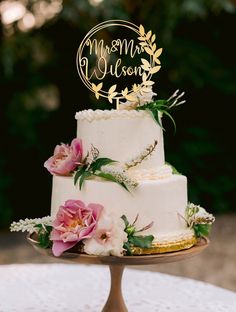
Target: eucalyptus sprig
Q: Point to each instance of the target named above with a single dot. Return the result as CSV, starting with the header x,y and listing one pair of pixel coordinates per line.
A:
x,y
134,240
160,108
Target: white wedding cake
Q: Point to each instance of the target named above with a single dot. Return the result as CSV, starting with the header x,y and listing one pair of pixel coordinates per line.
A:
x,y
113,193
160,196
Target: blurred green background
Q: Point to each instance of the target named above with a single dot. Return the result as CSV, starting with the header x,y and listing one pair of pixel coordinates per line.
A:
x,y
40,91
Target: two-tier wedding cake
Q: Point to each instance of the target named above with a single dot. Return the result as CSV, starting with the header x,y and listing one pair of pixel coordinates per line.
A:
x,y
159,196
118,162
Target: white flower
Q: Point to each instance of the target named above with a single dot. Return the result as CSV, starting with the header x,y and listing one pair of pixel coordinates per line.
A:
x,y
198,215
109,237
142,98
145,97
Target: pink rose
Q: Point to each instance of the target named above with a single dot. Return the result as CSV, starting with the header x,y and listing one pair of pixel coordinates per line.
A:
x,y
74,222
65,158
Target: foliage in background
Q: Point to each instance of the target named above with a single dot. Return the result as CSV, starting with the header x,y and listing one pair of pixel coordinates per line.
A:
x,y
41,91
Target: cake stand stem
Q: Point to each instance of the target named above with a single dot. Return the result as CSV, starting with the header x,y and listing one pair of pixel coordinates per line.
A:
x,y
115,301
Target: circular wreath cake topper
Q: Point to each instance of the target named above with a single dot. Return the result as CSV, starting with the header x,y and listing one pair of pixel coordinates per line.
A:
x,y
97,48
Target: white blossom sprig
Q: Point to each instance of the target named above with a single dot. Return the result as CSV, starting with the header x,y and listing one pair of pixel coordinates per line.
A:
x,y
30,225
141,157
197,215
120,176
174,98
198,219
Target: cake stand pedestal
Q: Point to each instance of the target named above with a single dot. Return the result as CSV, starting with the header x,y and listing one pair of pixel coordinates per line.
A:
x,y
115,301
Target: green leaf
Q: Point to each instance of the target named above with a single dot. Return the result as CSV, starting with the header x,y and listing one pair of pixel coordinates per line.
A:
x,y
155,114
161,103
44,235
202,229
83,177
110,177
161,106
124,218
171,118
39,226
141,241
99,162
174,170
106,176
78,174
127,247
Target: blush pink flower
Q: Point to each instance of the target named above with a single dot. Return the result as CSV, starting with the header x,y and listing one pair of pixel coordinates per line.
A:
x,y
74,222
109,237
65,158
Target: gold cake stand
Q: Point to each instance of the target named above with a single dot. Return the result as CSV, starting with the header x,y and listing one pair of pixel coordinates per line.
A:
x,y
115,301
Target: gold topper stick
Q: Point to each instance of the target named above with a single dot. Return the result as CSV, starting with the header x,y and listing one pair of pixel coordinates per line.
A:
x,y
117,103
118,47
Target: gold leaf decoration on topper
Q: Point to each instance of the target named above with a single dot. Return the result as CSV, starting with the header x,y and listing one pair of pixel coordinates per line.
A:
x,y
141,30
153,38
135,88
96,89
146,65
149,63
111,93
155,69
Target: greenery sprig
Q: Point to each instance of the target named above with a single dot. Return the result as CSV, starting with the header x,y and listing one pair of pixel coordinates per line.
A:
x,y
161,108
134,240
174,170
44,232
93,166
202,230
94,169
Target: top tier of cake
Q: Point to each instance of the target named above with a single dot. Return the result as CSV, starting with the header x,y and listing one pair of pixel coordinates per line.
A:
x,y
122,135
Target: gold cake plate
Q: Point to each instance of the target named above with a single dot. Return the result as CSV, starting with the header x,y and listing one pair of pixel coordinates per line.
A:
x,y
159,248
115,301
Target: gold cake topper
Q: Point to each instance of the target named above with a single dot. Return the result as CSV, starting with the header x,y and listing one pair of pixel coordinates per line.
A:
x,y
93,77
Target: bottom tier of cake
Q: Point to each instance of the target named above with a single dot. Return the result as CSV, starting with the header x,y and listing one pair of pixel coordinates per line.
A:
x,y
162,202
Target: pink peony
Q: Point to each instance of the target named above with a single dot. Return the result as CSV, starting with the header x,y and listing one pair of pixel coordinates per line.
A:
x,y
74,222
65,158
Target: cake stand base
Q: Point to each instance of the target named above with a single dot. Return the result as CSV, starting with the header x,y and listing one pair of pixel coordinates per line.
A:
x,y
115,301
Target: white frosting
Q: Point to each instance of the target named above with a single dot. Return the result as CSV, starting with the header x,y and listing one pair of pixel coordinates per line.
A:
x,y
91,115
160,201
121,135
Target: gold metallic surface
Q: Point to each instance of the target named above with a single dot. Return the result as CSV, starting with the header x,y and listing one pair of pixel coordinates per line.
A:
x,y
166,247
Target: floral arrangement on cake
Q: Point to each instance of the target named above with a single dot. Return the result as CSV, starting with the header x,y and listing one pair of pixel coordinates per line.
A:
x,y
157,108
70,160
86,229
90,229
